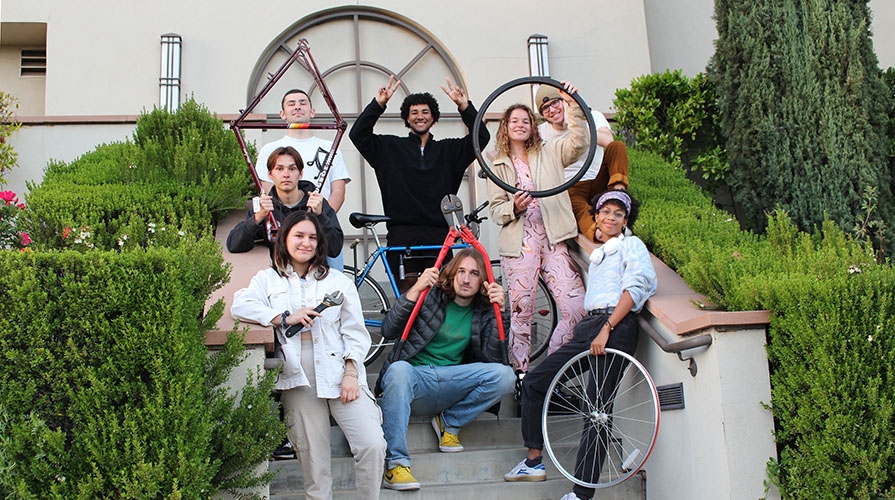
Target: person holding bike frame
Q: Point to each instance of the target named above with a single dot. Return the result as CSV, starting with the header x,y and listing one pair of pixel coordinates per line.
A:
x,y
415,172
288,195
533,231
620,279
449,366
322,342
297,110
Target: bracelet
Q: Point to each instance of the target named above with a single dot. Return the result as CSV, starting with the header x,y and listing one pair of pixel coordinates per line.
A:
x,y
283,319
610,325
351,374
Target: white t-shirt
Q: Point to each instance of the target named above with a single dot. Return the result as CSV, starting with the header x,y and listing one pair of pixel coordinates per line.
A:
x,y
548,133
313,151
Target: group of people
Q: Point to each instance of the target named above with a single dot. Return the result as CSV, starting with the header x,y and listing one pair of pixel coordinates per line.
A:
x,y
451,367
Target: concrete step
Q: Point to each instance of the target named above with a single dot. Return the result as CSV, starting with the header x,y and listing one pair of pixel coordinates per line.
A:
x,y
477,472
551,489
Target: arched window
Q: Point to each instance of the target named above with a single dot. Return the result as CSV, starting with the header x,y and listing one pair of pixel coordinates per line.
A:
x,y
356,48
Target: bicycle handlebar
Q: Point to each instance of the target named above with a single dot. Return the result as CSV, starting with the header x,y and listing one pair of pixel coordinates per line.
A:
x,y
474,215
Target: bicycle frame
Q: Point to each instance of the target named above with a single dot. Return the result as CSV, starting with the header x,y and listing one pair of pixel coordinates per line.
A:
x,y
302,55
380,254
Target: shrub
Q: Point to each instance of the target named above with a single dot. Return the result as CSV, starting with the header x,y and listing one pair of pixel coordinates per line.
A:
x,y
676,117
105,369
190,150
803,107
831,335
8,125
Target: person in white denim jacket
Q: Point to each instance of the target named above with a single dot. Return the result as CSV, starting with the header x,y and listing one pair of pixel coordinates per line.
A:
x,y
323,372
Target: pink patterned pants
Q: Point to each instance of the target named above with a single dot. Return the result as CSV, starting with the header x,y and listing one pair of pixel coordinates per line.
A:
x,y
563,281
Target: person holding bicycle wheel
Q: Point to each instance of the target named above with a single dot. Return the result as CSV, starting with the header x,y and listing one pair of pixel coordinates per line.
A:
x,y
620,279
533,231
610,164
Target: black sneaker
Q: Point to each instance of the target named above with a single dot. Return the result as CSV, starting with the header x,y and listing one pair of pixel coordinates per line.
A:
x,y
284,452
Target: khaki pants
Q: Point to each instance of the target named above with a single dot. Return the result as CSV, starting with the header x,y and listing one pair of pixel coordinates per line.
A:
x,y
307,417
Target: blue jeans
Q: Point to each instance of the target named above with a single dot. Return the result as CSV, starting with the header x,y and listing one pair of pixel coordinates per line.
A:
x,y
337,263
458,393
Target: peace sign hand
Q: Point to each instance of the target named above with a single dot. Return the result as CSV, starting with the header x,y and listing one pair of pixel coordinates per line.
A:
x,y
386,93
456,94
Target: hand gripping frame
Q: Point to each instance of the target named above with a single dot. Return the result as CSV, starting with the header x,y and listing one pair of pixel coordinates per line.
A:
x,y
302,55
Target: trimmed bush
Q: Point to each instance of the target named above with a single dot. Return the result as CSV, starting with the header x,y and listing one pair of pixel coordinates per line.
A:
x,y
831,335
676,117
107,389
105,368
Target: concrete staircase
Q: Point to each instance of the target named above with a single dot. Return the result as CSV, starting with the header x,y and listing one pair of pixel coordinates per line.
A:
x,y
492,447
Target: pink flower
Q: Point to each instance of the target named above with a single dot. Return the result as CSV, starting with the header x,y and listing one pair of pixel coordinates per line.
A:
x,y
26,240
66,232
9,197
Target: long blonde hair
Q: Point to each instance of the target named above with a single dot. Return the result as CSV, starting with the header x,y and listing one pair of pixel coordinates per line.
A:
x,y
502,144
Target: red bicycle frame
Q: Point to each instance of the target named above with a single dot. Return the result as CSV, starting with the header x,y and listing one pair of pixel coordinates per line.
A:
x,y
302,55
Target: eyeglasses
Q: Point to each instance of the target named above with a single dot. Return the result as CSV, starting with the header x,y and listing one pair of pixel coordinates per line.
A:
x,y
555,105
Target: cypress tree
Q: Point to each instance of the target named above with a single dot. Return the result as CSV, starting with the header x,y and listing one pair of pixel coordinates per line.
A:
x,y
803,106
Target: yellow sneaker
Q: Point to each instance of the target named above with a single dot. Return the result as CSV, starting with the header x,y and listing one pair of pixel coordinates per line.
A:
x,y
447,442
400,478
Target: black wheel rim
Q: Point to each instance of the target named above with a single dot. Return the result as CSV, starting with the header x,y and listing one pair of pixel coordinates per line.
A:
x,y
529,80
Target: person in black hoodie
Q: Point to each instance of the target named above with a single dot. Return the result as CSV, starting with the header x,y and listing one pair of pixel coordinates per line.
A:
x,y
284,166
416,171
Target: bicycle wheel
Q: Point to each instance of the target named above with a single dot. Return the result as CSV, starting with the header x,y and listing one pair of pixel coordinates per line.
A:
x,y
479,121
600,418
375,304
545,317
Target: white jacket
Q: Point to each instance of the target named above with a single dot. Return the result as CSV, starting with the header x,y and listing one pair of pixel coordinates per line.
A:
x,y
338,334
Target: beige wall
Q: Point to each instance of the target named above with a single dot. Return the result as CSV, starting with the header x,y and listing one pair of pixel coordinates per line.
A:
x,y
882,24
113,67
681,34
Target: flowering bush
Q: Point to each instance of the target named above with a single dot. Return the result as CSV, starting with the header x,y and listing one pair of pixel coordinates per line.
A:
x,y
10,237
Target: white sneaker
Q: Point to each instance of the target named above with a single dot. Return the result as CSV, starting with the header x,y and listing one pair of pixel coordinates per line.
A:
x,y
522,472
569,496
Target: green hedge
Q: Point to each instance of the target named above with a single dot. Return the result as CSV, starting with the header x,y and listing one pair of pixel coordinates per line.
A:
x,y
676,117
830,338
106,390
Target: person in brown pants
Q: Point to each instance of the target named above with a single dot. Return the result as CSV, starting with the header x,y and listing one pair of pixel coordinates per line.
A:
x,y
609,169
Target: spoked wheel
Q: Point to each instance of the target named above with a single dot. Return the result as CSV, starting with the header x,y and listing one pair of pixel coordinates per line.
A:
x,y
547,191
545,317
375,304
601,418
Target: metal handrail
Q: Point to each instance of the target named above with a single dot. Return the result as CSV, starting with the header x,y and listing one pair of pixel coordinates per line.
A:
x,y
676,347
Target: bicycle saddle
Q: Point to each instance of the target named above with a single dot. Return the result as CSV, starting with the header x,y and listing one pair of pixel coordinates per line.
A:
x,y
360,220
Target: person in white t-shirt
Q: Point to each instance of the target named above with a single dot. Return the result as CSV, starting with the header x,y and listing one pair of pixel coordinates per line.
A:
x,y
609,169
297,108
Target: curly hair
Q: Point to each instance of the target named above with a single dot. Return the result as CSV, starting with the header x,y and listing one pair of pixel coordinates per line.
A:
x,y
446,278
421,98
502,143
281,257
635,205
